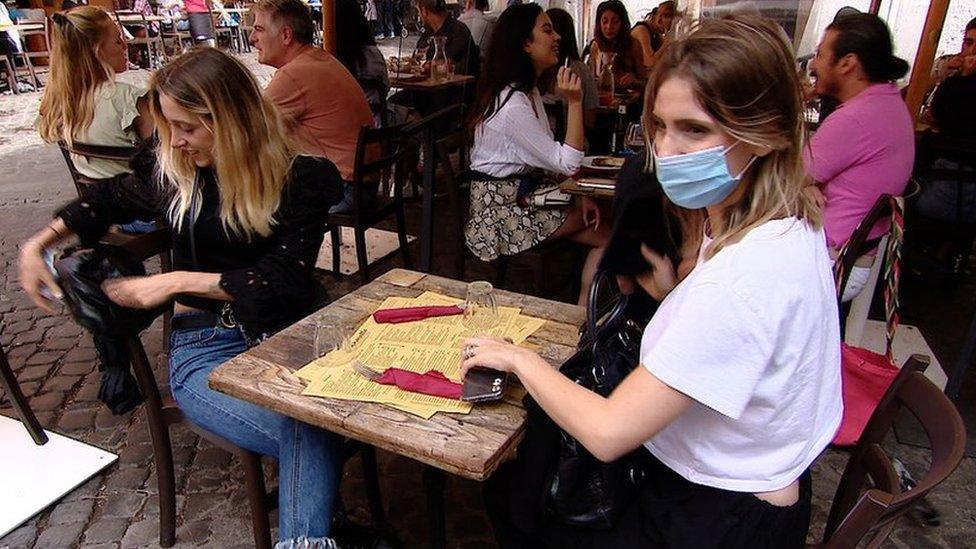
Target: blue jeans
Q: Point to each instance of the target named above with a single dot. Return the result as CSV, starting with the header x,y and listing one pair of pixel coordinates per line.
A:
x,y
309,458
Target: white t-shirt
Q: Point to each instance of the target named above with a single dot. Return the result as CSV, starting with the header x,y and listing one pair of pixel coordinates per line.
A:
x,y
517,139
753,336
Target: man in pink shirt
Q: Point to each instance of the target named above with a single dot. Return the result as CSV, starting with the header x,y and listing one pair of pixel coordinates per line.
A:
x,y
866,147
323,106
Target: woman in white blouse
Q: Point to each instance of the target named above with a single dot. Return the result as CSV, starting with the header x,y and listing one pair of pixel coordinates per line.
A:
x,y
738,387
513,144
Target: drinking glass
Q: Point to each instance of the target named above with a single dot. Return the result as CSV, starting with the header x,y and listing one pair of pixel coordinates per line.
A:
x,y
331,334
635,136
480,311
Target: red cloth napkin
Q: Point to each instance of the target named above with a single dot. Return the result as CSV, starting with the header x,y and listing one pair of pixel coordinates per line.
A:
x,y
431,383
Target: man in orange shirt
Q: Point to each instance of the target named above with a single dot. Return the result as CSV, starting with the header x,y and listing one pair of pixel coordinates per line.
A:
x,y
322,104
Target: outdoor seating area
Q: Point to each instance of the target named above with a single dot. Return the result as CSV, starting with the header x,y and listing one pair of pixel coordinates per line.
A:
x,y
421,273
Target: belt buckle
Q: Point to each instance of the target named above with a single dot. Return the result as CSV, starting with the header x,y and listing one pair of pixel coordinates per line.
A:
x,y
226,317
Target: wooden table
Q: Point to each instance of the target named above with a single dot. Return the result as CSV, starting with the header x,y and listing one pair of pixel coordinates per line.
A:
x,y
429,84
23,27
471,446
571,186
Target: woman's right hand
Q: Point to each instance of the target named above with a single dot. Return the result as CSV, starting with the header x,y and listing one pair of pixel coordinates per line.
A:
x,y
661,279
35,276
568,84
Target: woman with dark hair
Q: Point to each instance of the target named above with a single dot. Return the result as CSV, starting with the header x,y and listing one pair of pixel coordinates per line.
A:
x,y
562,24
611,37
513,143
356,50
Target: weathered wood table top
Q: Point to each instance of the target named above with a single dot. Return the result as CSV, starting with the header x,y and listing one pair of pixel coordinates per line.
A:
x,y
471,446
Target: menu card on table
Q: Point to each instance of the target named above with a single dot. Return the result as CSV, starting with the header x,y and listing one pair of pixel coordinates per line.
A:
x,y
432,343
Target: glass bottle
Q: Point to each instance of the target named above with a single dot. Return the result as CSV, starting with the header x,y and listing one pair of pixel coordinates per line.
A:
x,y
439,63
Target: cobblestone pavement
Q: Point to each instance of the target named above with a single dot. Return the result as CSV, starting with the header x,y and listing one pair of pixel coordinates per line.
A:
x,y
55,364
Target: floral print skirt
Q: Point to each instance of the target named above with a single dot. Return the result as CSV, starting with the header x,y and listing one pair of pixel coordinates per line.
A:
x,y
499,226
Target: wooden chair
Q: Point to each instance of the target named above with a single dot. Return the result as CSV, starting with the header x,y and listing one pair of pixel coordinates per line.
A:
x,y
10,70
162,412
39,40
152,46
863,512
174,39
246,26
860,244
456,142
368,209
232,33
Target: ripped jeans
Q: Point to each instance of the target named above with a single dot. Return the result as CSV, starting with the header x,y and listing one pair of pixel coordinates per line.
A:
x,y
309,458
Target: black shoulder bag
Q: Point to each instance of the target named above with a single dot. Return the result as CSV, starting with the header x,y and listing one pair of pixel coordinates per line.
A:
x,y
584,491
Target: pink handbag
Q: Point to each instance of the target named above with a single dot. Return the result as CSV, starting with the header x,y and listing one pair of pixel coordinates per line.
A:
x,y
866,375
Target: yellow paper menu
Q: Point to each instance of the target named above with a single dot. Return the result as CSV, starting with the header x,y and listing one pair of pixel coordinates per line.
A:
x,y
344,383
430,344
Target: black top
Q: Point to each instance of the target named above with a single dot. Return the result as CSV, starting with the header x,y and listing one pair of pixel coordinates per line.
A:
x,y
954,107
269,277
640,217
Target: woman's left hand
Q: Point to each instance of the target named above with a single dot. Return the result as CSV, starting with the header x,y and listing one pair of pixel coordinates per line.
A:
x,y
497,354
140,292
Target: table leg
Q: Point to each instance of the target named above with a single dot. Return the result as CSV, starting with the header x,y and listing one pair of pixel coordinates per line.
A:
x,y
434,481
10,386
427,218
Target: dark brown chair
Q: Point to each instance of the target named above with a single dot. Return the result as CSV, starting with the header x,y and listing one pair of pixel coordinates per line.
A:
x,y
368,209
162,412
102,152
456,142
865,511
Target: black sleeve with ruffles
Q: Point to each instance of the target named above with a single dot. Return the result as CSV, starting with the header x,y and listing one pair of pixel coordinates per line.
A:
x,y
117,200
279,288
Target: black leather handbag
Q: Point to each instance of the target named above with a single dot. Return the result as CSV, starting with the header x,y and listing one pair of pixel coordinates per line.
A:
x,y
584,491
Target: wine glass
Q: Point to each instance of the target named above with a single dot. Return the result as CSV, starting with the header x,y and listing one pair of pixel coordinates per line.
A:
x,y
634,137
331,334
480,311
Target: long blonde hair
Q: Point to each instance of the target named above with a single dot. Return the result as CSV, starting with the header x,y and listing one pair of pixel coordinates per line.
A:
x,y
68,104
251,155
742,71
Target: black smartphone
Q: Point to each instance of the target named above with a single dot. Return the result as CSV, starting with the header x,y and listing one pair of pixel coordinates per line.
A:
x,y
484,385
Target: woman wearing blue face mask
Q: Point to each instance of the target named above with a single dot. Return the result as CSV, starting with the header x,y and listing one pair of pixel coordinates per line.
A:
x,y
738,387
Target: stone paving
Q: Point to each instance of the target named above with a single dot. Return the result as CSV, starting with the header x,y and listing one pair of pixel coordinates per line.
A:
x,y
55,364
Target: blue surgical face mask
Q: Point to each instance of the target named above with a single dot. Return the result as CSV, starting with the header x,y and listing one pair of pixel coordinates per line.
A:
x,y
699,179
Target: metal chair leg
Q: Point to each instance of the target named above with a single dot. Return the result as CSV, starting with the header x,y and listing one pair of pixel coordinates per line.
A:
x,y
361,255
335,233
21,406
